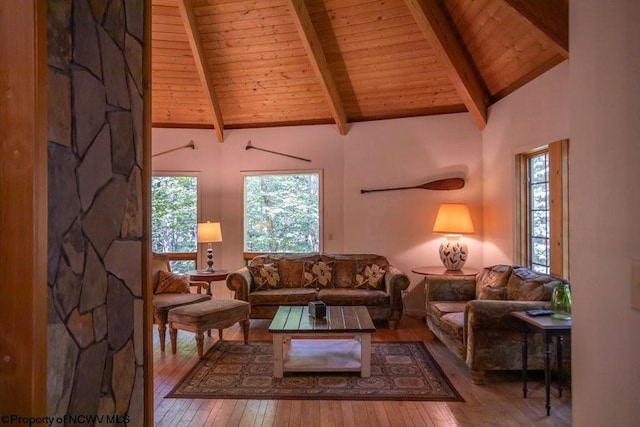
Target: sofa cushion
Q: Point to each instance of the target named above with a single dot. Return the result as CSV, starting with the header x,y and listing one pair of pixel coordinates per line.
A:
x,y
452,324
318,274
283,296
369,276
265,276
167,301
527,285
169,282
332,296
441,308
211,311
494,277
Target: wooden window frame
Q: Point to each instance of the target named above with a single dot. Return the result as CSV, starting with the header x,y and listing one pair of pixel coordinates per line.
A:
x,y
558,207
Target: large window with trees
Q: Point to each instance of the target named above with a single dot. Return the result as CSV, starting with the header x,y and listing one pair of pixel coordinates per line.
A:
x,y
543,225
174,218
282,212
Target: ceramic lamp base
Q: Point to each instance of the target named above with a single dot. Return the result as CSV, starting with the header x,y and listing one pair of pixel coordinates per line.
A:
x,y
453,253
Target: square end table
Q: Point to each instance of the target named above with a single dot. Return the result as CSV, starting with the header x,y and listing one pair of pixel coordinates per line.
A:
x,y
549,327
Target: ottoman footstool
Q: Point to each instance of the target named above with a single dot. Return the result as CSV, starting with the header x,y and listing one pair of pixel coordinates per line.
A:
x,y
204,316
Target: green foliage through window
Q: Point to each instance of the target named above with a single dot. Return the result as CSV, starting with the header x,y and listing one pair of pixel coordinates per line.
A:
x,y
282,212
538,167
174,201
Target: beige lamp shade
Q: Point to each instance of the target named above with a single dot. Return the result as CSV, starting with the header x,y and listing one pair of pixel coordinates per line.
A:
x,y
453,218
209,232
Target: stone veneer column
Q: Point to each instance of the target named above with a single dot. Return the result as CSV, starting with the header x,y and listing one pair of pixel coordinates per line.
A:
x,y
95,310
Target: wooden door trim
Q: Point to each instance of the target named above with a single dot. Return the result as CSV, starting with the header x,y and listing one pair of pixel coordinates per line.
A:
x,y
23,211
147,294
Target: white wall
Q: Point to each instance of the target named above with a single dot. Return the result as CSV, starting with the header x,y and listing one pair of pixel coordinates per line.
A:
x,y
398,224
204,162
605,210
383,154
535,115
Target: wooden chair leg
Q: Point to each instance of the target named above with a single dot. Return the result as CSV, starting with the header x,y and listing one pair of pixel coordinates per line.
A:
x,y
200,342
245,330
173,334
162,332
220,334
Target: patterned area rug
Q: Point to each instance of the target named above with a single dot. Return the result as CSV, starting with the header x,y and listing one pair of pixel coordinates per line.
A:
x,y
233,370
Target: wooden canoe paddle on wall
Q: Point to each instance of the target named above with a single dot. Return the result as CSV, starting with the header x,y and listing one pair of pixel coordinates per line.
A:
x,y
441,184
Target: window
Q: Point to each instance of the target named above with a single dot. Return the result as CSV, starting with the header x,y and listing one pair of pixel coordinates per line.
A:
x,y
538,212
543,209
174,202
282,212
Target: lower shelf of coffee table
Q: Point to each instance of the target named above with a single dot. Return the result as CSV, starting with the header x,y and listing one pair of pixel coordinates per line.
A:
x,y
322,355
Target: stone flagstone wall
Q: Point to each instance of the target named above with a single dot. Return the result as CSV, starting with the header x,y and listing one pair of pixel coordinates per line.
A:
x,y
95,114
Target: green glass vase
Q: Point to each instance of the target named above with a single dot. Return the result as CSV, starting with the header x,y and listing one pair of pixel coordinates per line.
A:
x,y
561,302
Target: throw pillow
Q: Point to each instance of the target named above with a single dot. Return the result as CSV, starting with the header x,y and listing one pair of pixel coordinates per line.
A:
x,y
536,290
495,277
172,283
369,276
318,274
527,285
265,276
492,293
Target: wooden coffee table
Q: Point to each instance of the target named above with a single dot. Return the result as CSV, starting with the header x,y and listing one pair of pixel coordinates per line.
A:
x,y
340,342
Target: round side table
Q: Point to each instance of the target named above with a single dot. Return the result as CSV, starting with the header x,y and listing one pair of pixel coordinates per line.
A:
x,y
209,277
442,271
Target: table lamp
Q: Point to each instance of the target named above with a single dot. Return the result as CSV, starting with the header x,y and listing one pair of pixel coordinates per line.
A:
x,y
453,220
209,232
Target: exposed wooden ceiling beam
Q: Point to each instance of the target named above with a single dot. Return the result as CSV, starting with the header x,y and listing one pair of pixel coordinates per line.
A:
x,y
549,16
318,61
437,27
195,42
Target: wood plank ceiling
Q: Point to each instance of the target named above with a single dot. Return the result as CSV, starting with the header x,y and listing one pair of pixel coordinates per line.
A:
x,y
255,63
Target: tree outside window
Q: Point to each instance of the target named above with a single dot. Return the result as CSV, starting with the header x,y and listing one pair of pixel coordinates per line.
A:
x,y
174,201
538,166
282,212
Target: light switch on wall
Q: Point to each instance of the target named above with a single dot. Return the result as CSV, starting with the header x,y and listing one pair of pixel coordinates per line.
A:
x,y
635,284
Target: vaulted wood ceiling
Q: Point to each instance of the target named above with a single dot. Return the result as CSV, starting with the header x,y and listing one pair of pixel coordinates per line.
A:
x,y
255,63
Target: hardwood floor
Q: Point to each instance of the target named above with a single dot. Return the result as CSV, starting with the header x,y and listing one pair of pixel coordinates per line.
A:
x,y
498,403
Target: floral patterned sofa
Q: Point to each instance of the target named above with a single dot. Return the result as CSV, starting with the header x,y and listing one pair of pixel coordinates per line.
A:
x,y
472,316
271,280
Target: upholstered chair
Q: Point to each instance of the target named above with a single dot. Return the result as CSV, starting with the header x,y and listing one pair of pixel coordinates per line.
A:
x,y
171,290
